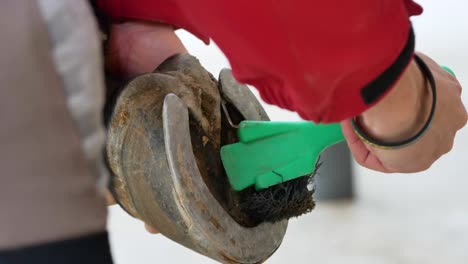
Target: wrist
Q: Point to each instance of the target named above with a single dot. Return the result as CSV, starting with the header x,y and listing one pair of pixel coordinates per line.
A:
x,y
403,112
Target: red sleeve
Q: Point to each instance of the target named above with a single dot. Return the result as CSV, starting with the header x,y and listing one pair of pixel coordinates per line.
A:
x,y
328,60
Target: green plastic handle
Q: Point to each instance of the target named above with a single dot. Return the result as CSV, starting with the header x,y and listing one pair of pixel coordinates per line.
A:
x,y
273,152
448,70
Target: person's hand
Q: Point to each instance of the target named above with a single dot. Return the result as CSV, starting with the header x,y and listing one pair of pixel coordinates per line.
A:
x,y
151,229
111,201
402,113
135,48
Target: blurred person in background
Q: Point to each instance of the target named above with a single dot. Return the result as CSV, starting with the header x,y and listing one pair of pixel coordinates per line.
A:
x,y
330,61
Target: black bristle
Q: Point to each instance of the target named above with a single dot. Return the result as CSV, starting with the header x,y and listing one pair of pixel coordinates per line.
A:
x,y
250,207
282,201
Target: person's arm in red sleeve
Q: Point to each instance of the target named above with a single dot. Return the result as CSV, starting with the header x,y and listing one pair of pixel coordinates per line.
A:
x,y
328,61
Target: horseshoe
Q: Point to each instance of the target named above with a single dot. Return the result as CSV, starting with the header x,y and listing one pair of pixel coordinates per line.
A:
x,y
157,178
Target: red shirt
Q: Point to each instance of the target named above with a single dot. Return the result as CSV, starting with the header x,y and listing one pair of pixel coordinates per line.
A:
x,y
328,60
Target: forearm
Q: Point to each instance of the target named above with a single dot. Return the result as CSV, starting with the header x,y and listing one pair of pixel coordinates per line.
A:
x,y
316,63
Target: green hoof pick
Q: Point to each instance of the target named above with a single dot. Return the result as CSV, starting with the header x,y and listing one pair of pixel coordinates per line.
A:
x,y
273,152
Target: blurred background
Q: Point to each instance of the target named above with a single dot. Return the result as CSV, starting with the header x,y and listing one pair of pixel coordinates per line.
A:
x,y
386,219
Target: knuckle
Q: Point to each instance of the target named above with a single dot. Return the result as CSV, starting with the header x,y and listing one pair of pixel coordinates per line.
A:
x,y
461,119
412,169
427,166
360,162
459,87
464,118
459,115
422,166
447,148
